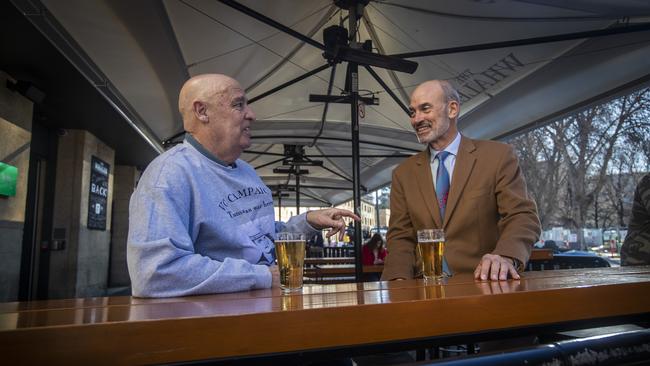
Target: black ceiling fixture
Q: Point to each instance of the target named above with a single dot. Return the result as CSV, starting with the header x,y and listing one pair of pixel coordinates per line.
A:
x,y
296,156
293,160
337,49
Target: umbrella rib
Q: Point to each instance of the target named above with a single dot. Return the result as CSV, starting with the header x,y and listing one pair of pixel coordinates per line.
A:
x,y
438,62
193,64
260,154
387,89
315,197
334,164
326,107
340,139
328,15
393,75
270,22
390,119
269,163
240,33
505,19
288,83
529,41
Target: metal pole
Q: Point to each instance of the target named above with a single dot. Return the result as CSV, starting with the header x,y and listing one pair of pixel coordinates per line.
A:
x,y
297,193
353,75
377,209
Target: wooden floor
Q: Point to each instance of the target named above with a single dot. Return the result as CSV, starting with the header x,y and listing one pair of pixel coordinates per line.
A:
x,y
126,330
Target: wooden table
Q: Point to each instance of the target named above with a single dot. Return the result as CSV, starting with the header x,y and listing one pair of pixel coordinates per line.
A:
x,y
344,317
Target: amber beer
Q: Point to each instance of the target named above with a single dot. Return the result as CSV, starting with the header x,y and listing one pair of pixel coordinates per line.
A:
x,y
290,252
431,249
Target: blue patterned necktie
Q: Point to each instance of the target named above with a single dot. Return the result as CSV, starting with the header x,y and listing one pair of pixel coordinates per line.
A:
x,y
442,182
442,193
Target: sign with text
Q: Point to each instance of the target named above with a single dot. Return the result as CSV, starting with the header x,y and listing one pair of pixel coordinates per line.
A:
x,y
98,195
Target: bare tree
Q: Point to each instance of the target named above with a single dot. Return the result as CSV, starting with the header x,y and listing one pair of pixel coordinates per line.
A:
x,y
540,160
637,133
616,200
588,140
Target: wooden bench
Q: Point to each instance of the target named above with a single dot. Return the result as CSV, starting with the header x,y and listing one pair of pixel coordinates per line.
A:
x,y
346,251
339,273
328,260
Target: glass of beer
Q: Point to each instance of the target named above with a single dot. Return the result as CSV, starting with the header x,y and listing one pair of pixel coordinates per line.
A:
x,y
290,252
431,248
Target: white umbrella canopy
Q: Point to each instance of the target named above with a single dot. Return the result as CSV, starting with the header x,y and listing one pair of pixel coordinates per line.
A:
x,y
146,49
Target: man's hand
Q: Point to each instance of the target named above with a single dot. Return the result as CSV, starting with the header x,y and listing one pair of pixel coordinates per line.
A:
x,y
495,267
275,275
331,218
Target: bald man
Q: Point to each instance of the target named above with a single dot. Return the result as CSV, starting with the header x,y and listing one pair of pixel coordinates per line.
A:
x,y
478,196
201,220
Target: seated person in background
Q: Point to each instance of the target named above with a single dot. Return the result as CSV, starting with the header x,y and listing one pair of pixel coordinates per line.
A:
x,y
201,220
550,244
636,247
373,251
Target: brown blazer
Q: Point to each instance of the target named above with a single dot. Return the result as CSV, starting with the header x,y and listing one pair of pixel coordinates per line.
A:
x,y
488,209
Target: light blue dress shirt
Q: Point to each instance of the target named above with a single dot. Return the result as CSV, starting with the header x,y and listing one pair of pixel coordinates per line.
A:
x,y
450,161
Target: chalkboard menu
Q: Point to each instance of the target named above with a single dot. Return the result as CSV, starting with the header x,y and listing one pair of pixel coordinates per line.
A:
x,y
98,195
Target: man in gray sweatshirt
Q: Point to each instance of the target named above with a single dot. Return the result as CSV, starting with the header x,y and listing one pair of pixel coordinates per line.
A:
x,y
201,220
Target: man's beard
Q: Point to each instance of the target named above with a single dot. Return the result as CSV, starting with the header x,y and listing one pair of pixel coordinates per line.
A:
x,y
437,131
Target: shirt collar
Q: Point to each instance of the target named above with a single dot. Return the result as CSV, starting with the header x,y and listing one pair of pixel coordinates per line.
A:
x,y
451,148
197,145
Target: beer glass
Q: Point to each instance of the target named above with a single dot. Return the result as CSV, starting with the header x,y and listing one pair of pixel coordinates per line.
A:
x,y
431,248
290,253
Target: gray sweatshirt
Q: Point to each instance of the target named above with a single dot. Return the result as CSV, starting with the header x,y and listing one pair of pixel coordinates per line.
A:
x,y
199,226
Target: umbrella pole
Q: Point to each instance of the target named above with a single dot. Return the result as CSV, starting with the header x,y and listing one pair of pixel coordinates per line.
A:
x,y
353,76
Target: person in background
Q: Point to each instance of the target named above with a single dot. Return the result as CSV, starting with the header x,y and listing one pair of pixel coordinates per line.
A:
x,y
201,220
373,252
636,247
472,189
550,244
316,245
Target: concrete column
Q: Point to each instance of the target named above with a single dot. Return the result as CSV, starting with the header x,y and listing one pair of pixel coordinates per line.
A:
x,y
80,269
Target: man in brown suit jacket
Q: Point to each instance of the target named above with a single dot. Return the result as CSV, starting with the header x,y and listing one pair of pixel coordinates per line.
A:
x,y
490,222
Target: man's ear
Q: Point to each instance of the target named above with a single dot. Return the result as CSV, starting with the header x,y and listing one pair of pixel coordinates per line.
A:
x,y
200,111
452,109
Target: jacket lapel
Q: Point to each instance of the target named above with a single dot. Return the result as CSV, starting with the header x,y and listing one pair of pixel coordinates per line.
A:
x,y
424,180
462,169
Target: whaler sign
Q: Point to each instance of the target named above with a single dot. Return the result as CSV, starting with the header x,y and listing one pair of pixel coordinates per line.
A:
x,y
471,83
98,195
